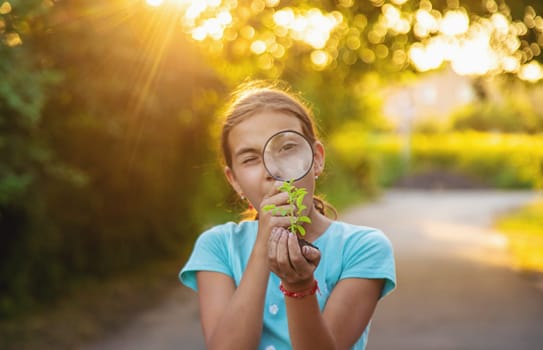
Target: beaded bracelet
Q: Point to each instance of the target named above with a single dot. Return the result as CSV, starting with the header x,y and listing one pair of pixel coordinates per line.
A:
x,y
301,294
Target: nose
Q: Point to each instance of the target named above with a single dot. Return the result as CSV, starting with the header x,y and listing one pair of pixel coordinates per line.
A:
x,y
267,173
272,172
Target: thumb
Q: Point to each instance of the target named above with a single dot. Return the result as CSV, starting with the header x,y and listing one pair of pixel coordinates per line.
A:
x,y
312,255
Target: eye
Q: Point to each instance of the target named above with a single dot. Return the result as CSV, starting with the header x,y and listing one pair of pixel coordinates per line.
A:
x,y
249,160
288,147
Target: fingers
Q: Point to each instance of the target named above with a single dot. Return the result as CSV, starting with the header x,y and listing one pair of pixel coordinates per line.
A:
x,y
274,209
312,255
286,259
278,255
295,254
278,199
274,191
283,258
272,246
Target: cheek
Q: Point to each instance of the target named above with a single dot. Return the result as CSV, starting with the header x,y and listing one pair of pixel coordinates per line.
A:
x,y
248,175
249,180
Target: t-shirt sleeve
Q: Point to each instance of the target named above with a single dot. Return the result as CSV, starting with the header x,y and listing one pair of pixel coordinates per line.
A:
x,y
370,255
210,254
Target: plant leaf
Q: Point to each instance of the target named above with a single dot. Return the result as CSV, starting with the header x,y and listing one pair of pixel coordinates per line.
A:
x,y
304,219
299,202
286,186
269,207
300,229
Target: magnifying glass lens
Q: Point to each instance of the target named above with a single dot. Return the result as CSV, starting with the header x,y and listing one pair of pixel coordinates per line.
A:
x,y
288,155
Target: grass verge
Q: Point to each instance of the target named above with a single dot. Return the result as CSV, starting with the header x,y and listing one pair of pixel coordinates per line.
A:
x,y
524,230
92,311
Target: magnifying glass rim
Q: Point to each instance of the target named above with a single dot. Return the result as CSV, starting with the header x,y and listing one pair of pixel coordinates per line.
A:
x,y
310,147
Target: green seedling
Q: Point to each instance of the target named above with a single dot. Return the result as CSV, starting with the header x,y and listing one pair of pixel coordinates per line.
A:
x,y
295,199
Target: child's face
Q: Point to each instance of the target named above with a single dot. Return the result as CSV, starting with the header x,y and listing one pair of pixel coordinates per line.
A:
x,y
248,175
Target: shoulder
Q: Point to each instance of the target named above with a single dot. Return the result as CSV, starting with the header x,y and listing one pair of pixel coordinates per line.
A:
x,y
366,253
228,231
351,234
216,247
356,243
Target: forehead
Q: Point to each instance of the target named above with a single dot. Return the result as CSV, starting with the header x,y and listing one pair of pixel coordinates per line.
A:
x,y
254,131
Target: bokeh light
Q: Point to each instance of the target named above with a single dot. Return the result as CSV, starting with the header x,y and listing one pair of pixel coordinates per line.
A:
x,y
312,26
470,44
454,23
154,3
5,8
531,72
484,46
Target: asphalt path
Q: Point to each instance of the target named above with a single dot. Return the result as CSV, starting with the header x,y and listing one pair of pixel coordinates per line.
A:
x,y
457,283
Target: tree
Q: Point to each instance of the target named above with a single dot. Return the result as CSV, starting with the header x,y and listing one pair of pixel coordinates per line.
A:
x,y
24,155
110,171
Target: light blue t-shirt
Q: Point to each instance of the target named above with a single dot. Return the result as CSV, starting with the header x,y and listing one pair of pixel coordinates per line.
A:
x,y
347,251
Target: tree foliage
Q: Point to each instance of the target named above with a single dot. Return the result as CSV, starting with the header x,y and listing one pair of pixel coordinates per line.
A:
x,y
276,38
100,168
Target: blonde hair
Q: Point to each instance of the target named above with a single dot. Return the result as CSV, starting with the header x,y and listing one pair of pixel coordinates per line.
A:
x,y
258,96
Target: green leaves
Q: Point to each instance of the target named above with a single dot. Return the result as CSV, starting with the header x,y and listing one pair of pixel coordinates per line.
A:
x,y
295,199
304,219
269,207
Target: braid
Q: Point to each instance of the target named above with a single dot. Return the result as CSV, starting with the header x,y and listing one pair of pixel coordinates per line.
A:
x,y
324,207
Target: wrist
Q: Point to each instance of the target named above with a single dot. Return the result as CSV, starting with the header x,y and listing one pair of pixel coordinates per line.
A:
x,y
300,292
299,285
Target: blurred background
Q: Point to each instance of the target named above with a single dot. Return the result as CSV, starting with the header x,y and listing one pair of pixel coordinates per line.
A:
x,y
109,164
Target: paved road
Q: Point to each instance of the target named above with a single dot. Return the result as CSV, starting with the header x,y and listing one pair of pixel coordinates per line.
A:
x,y
456,289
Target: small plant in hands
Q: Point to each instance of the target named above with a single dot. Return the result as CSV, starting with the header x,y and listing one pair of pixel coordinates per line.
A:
x,y
295,199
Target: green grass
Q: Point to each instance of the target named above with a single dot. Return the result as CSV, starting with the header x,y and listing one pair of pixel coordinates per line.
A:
x,y
524,229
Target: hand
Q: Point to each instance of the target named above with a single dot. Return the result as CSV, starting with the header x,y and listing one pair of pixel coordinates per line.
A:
x,y
267,220
294,266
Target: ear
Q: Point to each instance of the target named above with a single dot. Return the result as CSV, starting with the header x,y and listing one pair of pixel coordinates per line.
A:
x,y
319,158
232,180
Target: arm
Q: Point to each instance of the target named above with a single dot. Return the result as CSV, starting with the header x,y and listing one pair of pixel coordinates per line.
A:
x,y
232,318
347,312
221,305
346,316
350,308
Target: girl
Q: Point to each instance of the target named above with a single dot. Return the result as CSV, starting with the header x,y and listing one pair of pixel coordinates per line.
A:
x,y
257,288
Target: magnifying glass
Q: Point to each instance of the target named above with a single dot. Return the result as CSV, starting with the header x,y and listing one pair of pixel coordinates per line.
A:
x,y
288,155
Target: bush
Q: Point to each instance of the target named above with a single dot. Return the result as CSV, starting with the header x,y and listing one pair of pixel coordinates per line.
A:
x,y
497,160
509,116
374,160
500,160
